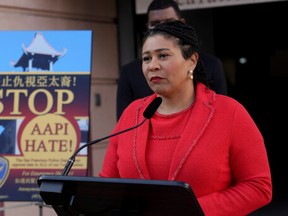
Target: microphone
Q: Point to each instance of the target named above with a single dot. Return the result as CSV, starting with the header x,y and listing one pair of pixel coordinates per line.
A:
x,y
148,113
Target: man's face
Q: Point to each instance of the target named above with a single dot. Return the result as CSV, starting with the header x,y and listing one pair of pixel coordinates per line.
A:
x,y
159,16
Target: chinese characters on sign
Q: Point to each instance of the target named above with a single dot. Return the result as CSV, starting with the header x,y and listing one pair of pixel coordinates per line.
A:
x,y
44,107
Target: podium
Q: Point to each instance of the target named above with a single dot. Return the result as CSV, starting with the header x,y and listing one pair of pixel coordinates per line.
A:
x,y
87,196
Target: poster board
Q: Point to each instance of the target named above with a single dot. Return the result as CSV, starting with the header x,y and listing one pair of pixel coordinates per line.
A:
x,y
44,107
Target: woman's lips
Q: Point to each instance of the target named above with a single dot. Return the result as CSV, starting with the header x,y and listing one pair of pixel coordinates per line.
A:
x,y
155,79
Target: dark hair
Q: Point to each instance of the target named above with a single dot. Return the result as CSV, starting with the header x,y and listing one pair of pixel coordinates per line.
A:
x,y
163,4
186,38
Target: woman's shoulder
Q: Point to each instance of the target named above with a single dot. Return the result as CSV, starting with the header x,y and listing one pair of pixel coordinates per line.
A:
x,y
139,105
210,97
226,99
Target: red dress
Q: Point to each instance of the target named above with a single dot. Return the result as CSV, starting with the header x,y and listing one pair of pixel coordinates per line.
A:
x,y
215,146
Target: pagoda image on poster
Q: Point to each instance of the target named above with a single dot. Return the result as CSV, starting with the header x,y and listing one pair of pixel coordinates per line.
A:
x,y
44,107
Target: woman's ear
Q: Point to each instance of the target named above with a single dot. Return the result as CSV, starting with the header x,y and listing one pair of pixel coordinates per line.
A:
x,y
194,59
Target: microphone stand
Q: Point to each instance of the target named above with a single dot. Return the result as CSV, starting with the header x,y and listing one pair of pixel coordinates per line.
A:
x,y
148,113
71,160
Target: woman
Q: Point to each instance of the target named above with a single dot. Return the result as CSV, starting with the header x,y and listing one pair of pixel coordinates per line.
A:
x,y
196,136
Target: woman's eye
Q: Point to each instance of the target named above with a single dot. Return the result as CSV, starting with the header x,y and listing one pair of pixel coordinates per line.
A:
x,y
145,58
163,55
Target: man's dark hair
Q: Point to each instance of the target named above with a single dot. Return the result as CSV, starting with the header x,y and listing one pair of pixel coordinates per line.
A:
x,y
163,4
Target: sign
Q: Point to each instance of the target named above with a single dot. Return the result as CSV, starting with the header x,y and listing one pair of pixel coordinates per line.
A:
x,y
142,5
44,107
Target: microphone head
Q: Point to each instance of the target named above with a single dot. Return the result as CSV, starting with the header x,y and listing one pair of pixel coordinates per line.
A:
x,y
152,107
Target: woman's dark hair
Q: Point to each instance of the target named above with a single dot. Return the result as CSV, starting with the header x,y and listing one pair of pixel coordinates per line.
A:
x,y
186,38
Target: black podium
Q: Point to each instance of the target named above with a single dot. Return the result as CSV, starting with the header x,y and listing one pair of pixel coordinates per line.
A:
x,y
87,196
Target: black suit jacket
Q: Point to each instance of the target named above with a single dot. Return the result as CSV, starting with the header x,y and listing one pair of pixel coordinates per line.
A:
x,y
132,83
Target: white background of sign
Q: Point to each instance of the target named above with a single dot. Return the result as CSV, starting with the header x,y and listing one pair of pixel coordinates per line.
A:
x,y
142,5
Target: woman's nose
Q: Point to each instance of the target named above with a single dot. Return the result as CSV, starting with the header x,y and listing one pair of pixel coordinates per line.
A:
x,y
154,64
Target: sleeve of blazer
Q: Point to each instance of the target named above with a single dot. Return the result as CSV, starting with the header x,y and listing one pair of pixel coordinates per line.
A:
x,y
124,90
214,73
132,85
220,84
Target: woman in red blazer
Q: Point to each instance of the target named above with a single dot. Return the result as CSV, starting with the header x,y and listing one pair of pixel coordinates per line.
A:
x,y
206,139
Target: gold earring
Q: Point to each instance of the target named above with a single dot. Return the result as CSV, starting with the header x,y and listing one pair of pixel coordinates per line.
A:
x,y
190,73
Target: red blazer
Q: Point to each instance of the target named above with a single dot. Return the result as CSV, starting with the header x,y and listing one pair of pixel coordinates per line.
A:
x,y
221,154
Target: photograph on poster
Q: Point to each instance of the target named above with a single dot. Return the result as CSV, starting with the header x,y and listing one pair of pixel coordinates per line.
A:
x,y
44,107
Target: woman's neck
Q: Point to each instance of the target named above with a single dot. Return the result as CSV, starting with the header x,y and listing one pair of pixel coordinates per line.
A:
x,y
176,103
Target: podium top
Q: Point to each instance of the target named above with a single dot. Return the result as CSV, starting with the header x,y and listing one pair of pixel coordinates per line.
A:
x,y
76,195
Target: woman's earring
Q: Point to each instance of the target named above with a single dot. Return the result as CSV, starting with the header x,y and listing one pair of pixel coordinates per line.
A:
x,y
190,73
